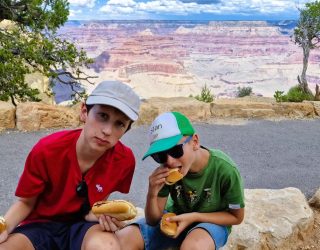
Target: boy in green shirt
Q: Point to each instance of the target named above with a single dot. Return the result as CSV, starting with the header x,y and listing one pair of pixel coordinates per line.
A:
x,y
207,201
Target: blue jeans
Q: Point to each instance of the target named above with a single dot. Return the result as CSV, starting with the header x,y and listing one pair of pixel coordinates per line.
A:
x,y
154,239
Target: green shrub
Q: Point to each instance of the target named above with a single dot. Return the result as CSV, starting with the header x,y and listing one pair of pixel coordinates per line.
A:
x,y
296,94
244,91
280,97
205,95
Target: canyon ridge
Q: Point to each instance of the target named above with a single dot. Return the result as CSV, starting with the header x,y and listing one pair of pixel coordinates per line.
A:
x,y
177,58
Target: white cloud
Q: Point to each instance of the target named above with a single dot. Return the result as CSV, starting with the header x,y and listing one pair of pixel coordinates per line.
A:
x,y
75,13
126,3
186,7
83,3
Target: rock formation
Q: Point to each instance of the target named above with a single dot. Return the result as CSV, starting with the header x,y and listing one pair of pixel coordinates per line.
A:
x,y
223,55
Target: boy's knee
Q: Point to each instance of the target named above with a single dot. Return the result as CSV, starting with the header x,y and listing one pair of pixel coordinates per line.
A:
x,y
101,241
130,238
198,239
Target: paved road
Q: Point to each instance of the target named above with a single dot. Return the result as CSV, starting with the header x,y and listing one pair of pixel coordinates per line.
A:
x,y
269,155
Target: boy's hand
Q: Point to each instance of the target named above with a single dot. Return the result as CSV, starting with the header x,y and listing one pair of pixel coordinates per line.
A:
x,y
183,220
3,236
157,180
110,224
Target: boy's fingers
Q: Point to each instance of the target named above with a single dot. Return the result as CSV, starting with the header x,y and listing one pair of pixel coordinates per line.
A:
x,y
172,219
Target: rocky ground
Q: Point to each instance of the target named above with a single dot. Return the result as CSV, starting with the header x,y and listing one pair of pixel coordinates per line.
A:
x,y
312,242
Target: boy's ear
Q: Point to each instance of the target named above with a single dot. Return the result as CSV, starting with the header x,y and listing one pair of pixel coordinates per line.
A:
x,y
83,113
195,142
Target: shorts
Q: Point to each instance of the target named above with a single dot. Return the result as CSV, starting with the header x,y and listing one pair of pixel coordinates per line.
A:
x,y
154,239
55,235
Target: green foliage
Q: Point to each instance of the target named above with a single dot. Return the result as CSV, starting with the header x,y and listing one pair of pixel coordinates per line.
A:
x,y
307,35
244,91
33,46
205,95
280,97
296,94
15,88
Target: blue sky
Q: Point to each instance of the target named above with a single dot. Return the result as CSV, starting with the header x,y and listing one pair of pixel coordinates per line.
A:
x,y
185,9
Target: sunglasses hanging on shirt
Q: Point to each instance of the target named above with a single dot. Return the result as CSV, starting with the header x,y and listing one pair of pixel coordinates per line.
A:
x,y
82,191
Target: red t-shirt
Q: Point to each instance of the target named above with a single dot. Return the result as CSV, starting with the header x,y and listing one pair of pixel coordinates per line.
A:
x,y
52,173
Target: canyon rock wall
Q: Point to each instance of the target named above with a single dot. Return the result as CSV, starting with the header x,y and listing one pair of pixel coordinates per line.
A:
x,y
161,55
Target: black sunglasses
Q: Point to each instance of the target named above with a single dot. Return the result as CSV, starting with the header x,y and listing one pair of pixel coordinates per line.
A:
x,y
82,191
175,152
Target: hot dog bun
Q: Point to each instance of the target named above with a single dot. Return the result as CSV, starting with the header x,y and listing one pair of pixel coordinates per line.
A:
x,y
3,224
174,176
168,228
119,209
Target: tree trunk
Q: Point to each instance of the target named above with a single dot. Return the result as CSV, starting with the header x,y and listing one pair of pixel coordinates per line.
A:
x,y
303,78
317,95
13,101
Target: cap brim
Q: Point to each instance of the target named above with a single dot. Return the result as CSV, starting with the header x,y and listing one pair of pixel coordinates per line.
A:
x,y
114,103
162,145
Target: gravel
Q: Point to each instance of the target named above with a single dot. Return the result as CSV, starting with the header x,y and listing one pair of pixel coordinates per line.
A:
x,y
269,154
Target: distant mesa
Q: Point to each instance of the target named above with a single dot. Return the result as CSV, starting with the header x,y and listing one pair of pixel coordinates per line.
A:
x,y
146,32
231,29
155,67
101,62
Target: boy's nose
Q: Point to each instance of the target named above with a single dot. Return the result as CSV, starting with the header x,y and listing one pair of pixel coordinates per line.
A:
x,y
170,160
107,129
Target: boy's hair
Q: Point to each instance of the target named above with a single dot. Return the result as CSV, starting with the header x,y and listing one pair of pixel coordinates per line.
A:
x,y
118,95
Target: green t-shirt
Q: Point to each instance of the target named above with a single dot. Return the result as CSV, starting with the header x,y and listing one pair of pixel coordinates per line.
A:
x,y
217,187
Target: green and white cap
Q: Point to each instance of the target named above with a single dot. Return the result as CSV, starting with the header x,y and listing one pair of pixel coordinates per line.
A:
x,y
166,131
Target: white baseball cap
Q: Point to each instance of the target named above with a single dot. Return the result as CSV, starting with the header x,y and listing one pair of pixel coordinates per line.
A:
x,y
118,95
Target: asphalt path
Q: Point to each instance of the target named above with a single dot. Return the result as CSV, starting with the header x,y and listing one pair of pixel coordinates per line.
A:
x,y
269,154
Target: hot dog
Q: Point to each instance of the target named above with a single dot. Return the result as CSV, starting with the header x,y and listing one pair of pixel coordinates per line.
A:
x,y
3,224
168,228
119,209
174,176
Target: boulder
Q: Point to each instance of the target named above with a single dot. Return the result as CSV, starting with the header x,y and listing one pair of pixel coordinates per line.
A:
x,y
294,110
274,219
246,108
316,106
38,81
195,110
7,115
315,200
227,108
34,116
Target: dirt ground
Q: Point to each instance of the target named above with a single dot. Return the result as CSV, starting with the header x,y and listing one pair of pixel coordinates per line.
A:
x,y
313,241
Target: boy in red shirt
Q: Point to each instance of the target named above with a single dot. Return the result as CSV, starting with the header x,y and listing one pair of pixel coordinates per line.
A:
x,y
67,171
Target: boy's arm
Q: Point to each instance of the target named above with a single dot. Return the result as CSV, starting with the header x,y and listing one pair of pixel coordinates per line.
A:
x,y
155,204
19,211
154,208
230,217
225,218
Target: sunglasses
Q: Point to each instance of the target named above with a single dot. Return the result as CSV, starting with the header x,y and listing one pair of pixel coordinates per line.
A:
x,y
175,152
82,191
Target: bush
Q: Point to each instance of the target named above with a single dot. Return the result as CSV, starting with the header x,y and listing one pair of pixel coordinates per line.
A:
x,y
280,97
244,91
205,95
296,94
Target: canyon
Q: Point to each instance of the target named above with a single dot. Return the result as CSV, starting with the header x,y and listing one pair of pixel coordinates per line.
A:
x,y
178,58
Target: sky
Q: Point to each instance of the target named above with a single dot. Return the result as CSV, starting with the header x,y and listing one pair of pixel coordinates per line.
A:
x,y
185,9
